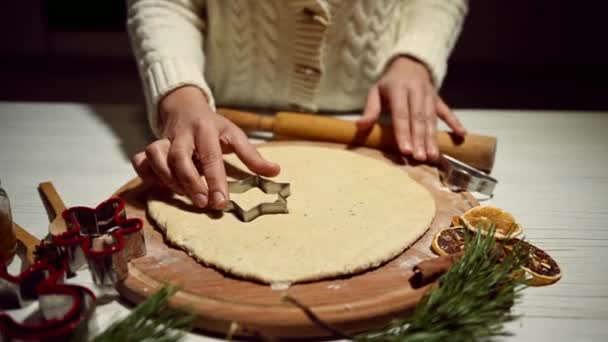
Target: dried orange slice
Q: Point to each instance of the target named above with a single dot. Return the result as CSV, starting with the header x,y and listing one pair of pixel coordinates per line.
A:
x,y
449,241
541,268
484,217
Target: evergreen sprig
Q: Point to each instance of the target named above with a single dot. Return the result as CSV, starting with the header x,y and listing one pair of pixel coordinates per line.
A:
x,y
153,320
470,302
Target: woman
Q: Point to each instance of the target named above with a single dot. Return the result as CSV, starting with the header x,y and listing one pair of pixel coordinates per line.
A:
x,y
314,55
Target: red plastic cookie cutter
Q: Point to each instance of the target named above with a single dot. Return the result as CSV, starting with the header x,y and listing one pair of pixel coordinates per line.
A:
x,y
63,309
103,238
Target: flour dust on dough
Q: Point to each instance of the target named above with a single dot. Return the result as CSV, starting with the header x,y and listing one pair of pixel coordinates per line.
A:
x,y
347,213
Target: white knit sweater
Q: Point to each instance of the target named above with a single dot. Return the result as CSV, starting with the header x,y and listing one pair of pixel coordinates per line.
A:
x,y
316,55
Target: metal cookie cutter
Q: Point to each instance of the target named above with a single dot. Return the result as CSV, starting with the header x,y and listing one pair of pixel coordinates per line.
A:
x,y
63,310
282,191
103,238
462,177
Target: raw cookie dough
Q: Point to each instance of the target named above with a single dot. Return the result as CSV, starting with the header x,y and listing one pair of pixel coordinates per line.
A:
x,y
347,213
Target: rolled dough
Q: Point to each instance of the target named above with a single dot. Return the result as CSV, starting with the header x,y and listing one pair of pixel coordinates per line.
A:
x,y
347,213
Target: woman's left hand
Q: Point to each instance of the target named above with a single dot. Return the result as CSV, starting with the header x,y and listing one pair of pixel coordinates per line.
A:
x,y
408,91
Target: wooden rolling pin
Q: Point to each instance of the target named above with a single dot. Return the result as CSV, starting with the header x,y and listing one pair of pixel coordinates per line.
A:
x,y
475,150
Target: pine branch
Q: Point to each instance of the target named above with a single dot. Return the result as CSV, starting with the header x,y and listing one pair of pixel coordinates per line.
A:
x,y
471,302
152,320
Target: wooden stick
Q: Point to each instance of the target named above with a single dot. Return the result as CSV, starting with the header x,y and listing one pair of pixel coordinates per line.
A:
x,y
29,242
51,198
54,206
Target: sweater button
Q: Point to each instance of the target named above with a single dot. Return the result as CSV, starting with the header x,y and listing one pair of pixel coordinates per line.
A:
x,y
314,16
308,71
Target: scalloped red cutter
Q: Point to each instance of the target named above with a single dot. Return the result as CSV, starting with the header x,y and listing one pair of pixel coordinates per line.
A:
x,y
63,309
102,237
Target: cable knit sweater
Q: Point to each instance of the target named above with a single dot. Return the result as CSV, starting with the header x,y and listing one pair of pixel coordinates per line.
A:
x,y
285,54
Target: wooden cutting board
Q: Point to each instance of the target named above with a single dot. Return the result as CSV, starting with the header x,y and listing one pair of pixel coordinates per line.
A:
x,y
352,304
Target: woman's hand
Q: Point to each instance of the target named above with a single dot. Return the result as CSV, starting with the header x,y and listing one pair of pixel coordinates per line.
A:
x,y
191,129
407,89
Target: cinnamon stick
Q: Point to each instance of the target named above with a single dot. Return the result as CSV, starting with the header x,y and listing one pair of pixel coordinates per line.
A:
x,y
427,271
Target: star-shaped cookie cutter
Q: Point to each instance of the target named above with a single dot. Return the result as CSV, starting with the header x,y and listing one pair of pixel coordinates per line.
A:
x,y
282,190
63,309
101,237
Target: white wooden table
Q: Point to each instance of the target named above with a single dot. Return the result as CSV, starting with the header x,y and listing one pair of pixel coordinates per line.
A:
x,y
552,168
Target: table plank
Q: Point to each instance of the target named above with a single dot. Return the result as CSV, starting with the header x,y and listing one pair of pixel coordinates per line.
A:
x,y
551,167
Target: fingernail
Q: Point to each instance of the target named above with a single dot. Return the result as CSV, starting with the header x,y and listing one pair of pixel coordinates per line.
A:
x,y
419,154
274,166
277,170
406,148
200,200
218,200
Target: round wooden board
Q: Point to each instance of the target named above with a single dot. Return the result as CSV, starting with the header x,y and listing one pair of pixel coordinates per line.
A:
x,y
352,304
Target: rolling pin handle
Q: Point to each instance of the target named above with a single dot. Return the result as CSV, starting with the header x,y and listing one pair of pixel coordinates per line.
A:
x,y
249,121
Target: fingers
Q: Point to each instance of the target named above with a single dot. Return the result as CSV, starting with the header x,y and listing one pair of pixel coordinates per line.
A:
x,y
418,122
372,109
401,118
141,164
157,153
180,161
432,151
250,155
209,154
447,115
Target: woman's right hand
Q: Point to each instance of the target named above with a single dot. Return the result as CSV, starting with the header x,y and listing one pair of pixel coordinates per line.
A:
x,y
190,129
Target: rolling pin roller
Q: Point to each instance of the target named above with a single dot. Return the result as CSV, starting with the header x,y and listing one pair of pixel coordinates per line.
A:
x,y
475,150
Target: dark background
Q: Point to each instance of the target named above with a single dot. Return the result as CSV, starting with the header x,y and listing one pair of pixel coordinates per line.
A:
x,y
528,54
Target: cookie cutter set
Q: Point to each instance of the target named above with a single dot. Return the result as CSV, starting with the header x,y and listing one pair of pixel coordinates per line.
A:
x,y
102,238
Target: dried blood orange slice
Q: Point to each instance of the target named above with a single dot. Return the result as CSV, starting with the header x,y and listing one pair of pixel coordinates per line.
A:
x,y
484,217
449,241
543,270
